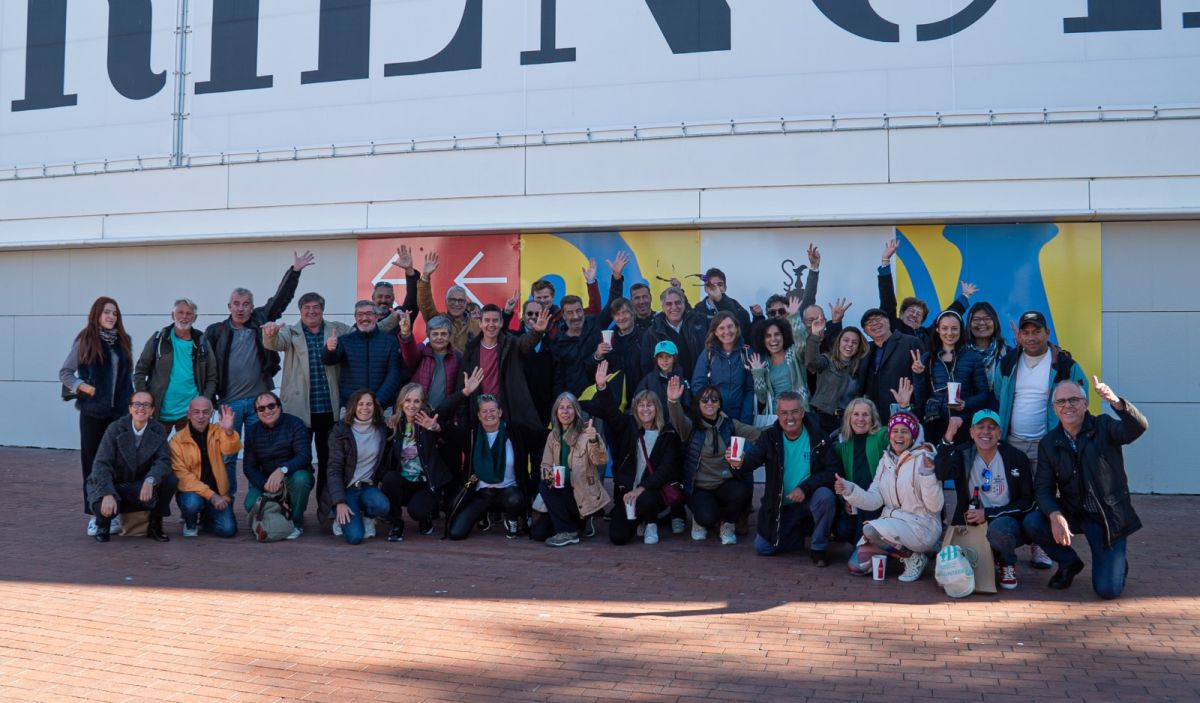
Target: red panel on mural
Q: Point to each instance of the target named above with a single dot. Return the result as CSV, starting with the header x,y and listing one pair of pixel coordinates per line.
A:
x,y
488,266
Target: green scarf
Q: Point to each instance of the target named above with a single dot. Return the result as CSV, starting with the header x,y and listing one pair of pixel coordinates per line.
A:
x,y
488,462
564,455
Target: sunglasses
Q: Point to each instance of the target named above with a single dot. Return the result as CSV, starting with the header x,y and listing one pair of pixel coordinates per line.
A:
x,y
710,401
266,408
777,312
987,481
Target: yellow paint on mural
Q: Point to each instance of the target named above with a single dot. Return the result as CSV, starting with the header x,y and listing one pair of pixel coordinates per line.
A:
x,y
1075,298
941,257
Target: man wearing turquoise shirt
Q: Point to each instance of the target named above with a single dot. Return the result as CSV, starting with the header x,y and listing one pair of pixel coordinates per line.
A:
x,y
798,495
176,366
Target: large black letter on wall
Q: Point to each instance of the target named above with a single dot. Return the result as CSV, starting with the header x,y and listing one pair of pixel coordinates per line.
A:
x,y
463,53
1116,16
45,57
548,52
693,26
858,17
129,24
234,61
344,49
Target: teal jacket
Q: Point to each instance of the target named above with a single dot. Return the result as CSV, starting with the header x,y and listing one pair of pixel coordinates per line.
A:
x,y
1063,368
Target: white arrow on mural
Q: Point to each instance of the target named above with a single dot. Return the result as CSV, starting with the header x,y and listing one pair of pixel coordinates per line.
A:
x,y
461,279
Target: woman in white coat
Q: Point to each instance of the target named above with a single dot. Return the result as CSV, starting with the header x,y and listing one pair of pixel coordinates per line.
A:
x,y
911,497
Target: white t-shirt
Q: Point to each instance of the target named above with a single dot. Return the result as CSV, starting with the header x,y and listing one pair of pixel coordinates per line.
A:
x,y
996,495
1030,397
650,438
510,477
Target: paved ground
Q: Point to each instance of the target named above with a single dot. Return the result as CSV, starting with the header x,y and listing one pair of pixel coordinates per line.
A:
x,y
492,620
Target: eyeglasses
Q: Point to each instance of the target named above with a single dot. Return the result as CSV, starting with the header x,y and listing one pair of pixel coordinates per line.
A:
x,y
777,312
141,406
1069,402
266,408
459,301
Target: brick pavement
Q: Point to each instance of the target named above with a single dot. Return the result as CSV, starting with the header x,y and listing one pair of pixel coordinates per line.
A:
x,y
492,620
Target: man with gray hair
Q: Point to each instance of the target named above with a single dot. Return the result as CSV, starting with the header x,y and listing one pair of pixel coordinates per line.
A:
x,y
176,366
369,358
244,367
462,325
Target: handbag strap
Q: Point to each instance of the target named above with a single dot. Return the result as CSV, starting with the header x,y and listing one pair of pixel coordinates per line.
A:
x,y
645,454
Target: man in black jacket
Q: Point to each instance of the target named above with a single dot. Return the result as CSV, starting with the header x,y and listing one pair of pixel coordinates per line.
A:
x,y
1002,476
578,335
132,470
891,356
1081,486
244,367
801,466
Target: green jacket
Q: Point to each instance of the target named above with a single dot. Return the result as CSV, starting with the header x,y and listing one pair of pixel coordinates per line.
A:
x,y
876,445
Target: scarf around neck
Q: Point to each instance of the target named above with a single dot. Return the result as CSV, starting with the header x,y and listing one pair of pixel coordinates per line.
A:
x,y
489,462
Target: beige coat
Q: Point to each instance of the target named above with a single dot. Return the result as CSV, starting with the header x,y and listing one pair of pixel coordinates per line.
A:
x,y
294,391
910,495
586,462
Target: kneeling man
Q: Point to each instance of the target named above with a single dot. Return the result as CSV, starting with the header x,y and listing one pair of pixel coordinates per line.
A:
x,y
197,458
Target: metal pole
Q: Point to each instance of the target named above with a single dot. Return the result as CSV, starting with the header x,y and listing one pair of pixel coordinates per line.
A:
x,y
182,30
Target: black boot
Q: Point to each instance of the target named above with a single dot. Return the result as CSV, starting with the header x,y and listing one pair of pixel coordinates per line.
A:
x,y
102,527
154,529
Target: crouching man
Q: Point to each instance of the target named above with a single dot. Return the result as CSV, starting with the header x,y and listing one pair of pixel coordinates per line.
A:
x,y
132,471
197,460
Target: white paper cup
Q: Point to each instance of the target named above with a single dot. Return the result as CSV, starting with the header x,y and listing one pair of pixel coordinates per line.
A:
x,y
850,509
737,447
630,510
954,392
558,476
606,336
879,567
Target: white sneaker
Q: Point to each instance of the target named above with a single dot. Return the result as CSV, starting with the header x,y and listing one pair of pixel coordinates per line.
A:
x,y
728,533
677,525
1038,558
651,536
192,531
914,566
91,528
114,527
337,528
641,530
369,528
296,532
698,532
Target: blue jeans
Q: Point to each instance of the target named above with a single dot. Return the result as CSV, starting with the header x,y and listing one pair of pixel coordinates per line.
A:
x,y
1005,534
1108,563
299,485
368,501
817,508
219,522
243,417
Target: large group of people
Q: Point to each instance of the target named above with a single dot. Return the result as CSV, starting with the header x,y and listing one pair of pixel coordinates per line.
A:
x,y
507,418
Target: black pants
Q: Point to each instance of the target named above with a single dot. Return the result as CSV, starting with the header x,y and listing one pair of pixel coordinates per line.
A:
x,y
91,431
649,504
510,501
320,425
727,503
415,495
129,498
562,514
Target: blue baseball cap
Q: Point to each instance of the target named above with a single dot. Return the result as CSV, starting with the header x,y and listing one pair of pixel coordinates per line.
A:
x,y
985,415
666,347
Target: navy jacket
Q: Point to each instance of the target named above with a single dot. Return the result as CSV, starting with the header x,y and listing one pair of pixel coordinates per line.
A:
x,y
268,448
969,370
369,360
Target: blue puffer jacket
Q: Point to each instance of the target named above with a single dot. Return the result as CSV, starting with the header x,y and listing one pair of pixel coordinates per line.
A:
x,y
369,360
268,448
728,372
968,368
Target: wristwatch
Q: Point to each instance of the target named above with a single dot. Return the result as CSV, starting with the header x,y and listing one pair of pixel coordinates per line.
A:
x,y
283,470
150,480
